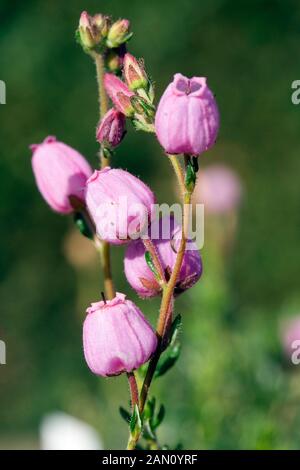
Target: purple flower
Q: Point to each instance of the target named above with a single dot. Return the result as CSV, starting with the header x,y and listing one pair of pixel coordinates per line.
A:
x,y
165,235
117,337
111,129
134,73
119,93
187,118
60,172
120,204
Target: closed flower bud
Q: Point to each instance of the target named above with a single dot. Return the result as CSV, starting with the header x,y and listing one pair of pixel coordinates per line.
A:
x,y
92,29
60,173
114,59
118,33
120,204
111,129
119,93
117,337
134,73
187,118
165,235
102,23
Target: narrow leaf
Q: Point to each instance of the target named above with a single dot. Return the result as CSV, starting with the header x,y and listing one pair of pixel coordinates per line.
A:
x,y
167,360
190,177
176,325
157,420
135,422
150,263
82,226
125,415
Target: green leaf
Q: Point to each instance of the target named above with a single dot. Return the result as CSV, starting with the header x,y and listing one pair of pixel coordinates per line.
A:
x,y
157,420
168,359
148,432
107,152
135,421
142,125
150,263
190,177
125,414
195,164
77,37
141,106
143,370
82,225
176,325
149,408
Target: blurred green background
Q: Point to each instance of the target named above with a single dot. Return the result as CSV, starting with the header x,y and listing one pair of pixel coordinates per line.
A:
x,y
232,387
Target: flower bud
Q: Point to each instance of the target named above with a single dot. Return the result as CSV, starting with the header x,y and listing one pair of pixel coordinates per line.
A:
x,y
219,189
92,29
118,33
187,118
120,204
111,129
134,73
114,59
119,94
165,235
60,172
102,23
117,337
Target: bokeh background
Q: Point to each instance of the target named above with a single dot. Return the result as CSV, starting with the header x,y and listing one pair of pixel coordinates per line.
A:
x,y
233,387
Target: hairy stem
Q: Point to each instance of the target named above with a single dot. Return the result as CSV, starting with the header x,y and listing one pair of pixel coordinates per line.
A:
x,y
168,292
150,247
103,248
178,172
134,392
132,442
165,314
104,252
103,99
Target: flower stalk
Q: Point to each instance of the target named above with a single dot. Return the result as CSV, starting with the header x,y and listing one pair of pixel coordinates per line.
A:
x,y
104,247
165,315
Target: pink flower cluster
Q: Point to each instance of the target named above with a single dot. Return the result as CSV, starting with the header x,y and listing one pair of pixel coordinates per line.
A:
x,y
117,337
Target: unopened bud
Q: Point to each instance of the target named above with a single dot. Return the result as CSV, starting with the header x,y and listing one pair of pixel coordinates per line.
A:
x,y
114,59
134,73
111,129
142,106
92,29
118,33
103,23
119,93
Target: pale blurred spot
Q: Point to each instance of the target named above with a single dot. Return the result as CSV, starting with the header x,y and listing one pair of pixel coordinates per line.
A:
x,y
289,332
219,188
60,431
79,250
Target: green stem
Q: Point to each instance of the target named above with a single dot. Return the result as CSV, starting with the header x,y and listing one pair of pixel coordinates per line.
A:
x,y
150,247
178,172
103,247
165,314
103,98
